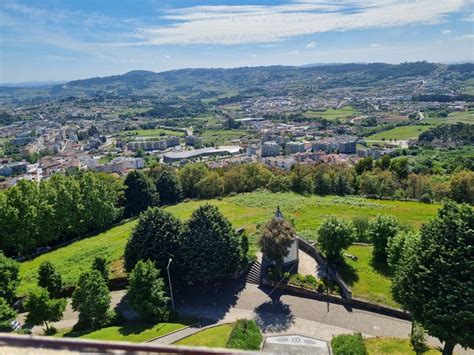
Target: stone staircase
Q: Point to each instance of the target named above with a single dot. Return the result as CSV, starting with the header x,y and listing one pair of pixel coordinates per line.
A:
x,y
254,273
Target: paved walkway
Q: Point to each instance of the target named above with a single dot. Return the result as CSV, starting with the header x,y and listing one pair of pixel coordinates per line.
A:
x,y
276,313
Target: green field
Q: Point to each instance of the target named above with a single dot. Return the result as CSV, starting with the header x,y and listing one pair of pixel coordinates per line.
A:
x,y
393,346
403,132
135,332
333,114
366,280
222,136
76,258
158,132
413,131
215,337
453,117
246,210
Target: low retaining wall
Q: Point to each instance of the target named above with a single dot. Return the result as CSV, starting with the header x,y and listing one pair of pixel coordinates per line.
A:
x,y
312,251
353,302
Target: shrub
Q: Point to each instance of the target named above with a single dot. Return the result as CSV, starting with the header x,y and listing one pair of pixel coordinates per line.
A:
x,y
345,344
245,335
418,339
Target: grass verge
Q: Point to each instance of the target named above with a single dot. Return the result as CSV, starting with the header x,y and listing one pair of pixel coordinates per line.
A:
x,y
135,332
215,337
366,279
393,346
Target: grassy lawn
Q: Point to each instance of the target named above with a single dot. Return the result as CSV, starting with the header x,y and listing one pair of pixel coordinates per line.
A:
x,y
403,132
394,346
76,258
215,337
246,210
333,114
222,136
136,332
367,281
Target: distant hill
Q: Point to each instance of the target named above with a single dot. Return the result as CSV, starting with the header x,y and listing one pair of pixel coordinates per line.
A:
x,y
274,80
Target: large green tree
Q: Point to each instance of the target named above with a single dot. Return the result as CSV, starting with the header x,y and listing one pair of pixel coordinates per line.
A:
x,y
277,237
9,278
146,293
91,299
169,187
211,248
157,237
334,235
435,282
140,193
189,177
211,186
462,187
381,230
100,201
43,310
50,279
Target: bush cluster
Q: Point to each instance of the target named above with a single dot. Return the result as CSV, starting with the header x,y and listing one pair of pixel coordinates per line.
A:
x,y
245,335
352,344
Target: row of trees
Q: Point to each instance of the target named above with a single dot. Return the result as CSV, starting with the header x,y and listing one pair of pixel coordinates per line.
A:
x,y
204,249
57,209
383,178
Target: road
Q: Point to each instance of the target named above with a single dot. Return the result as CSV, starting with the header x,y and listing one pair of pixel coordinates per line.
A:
x,y
276,313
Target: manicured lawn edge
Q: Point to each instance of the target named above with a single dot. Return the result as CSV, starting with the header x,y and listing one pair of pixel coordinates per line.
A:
x,y
174,331
201,330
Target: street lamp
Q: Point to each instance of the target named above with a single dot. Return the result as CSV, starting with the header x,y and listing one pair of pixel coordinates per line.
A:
x,y
169,280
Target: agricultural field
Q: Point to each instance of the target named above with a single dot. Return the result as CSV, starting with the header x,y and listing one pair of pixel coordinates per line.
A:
x,y
215,337
333,114
413,131
135,332
148,133
222,136
453,117
249,210
403,132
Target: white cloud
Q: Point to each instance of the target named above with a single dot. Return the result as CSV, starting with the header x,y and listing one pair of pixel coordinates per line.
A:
x,y
167,57
466,36
263,24
373,45
295,52
446,32
311,45
468,18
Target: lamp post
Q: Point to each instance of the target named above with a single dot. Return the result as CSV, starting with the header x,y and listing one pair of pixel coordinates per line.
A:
x,y
169,280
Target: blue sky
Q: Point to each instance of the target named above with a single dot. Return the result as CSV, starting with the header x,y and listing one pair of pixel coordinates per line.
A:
x,y
71,39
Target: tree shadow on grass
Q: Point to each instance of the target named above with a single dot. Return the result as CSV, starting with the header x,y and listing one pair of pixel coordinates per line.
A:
x,y
348,273
381,267
136,327
274,316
